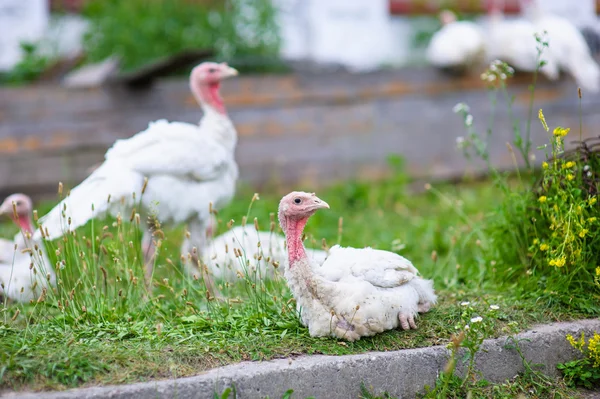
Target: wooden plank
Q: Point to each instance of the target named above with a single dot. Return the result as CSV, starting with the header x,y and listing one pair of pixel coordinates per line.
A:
x,y
294,130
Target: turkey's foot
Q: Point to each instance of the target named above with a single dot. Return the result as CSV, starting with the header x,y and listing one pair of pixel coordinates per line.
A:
x,y
407,321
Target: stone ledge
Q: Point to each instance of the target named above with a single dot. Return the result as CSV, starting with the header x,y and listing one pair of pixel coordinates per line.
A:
x,y
401,373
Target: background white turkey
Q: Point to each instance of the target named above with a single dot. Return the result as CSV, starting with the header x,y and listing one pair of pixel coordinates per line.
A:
x,y
566,45
18,280
356,292
188,167
457,46
513,41
223,264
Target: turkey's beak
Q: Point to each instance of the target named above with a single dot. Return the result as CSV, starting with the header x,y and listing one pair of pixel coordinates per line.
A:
x,y
6,208
318,203
228,72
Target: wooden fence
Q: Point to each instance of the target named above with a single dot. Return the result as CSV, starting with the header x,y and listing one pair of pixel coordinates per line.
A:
x,y
295,130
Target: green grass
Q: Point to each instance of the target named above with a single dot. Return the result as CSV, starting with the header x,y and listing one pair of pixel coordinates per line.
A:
x,y
128,334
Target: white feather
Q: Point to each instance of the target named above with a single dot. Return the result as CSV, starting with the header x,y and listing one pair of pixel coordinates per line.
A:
x,y
458,44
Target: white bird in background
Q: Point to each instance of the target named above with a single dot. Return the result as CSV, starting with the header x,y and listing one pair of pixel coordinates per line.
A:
x,y
566,45
457,46
223,263
24,268
356,292
513,41
188,167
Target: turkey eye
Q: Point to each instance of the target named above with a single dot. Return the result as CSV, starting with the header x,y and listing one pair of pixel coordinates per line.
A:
x,y
297,200
212,70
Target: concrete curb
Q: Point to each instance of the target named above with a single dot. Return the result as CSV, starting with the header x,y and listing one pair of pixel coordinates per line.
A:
x,y
401,373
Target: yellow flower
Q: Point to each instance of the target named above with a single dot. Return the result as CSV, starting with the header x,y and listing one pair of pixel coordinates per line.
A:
x,y
560,131
572,340
568,165
594,349
592,219
560,262
545,165
583,232
598,271
592,201
536,241
570,177
543,120
542,199
544,247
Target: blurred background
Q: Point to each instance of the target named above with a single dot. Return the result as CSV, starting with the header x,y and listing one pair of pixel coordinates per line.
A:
x,y
329,90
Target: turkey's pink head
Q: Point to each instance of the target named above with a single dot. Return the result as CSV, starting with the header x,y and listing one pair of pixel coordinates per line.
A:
x,y
211,72
18,207
447,17
205,81
297,206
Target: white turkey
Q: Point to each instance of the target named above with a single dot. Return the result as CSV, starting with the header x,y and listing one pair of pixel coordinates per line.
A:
x,y
223,263
356,292
187,167
513,41
457,46
566,45
25,269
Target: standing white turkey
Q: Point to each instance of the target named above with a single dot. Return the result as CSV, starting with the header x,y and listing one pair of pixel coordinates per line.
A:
x,y
356,292
566,45
513,41
25,269
457,46
188,167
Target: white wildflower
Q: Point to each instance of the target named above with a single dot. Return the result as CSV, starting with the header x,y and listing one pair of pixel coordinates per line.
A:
x,y
465,303
586,168
467,327
460,107
494,307
460,140
532,157
589,174
503,76
469,120
477,319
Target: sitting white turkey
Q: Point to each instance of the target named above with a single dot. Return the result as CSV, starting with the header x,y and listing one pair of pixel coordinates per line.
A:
x,y
356,292
458,46
24,268
188,167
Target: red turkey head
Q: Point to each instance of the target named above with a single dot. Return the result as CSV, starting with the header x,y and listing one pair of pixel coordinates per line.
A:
x,y
211,73
447,17
18,207
299,205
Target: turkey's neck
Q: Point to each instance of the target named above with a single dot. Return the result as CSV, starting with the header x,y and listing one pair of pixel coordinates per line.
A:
x,y
209,97
294,230
25,224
